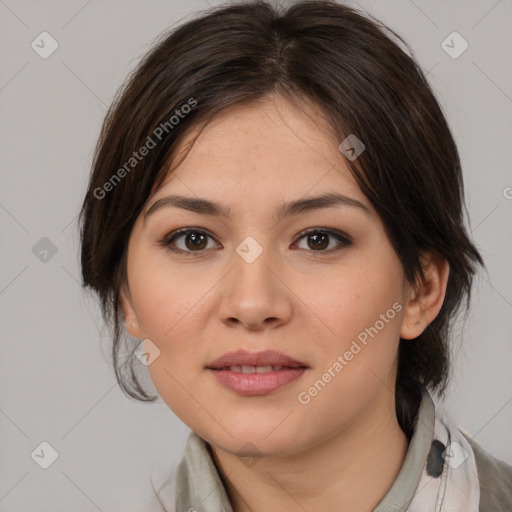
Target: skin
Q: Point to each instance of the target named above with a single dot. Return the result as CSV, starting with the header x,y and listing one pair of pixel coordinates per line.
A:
x,y
306,302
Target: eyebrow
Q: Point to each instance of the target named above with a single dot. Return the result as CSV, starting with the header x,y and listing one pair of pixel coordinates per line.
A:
x,y
207,207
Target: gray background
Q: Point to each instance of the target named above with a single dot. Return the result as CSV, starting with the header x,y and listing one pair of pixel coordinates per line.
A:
x,y
56,381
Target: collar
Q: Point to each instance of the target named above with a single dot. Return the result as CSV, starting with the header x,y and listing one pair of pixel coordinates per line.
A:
x,y
199,486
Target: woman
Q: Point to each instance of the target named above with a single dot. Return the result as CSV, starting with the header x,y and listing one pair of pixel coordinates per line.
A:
x,y
276,210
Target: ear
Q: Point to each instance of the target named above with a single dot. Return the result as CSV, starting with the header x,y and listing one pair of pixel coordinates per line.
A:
x,y
131,322
426,298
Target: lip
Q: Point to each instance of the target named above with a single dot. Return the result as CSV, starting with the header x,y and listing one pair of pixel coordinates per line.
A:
x,y
264,358
253,384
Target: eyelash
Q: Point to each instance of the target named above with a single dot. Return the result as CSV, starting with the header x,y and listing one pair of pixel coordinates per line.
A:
x,y
169,239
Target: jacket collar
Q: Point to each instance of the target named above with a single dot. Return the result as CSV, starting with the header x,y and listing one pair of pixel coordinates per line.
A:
x,y
199,486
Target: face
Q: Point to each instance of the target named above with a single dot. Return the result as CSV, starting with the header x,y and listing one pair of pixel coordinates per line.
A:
x,y
320,283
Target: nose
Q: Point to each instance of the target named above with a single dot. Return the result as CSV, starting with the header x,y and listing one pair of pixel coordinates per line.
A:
x,y
254,296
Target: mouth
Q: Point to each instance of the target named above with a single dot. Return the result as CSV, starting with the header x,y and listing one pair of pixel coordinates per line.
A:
x,y
256,381
249,369
256,373
242,361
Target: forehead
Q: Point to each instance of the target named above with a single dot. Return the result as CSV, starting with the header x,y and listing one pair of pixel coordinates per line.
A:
x,y
269,145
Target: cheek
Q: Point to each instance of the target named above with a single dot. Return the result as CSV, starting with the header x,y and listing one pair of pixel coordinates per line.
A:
x,y
171,308
363,309
166,299
356,364
171,313
355,296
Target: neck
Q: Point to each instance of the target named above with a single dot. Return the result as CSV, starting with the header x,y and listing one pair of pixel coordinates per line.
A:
x,y
352,470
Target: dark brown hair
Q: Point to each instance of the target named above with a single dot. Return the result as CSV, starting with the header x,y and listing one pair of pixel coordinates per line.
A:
x,y
361,76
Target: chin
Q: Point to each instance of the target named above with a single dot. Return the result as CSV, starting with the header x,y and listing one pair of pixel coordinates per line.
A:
x,y
256,444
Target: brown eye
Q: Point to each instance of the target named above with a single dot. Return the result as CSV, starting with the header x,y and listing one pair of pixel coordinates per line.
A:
x,y
195,241
319,240
186,241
